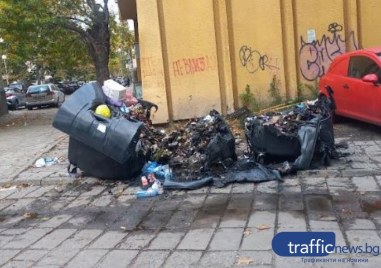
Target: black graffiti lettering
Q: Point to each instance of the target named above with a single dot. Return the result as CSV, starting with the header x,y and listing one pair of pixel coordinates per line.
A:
x,y
335,27
316,56
253,60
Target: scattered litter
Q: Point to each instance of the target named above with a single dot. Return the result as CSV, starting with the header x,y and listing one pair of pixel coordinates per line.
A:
x,y
146,193
346,211
327,218
30,215
123,228
58,189
46,161
150,187
23,185
10,188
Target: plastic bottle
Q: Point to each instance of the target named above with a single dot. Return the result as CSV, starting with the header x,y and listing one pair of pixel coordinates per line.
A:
x,y
146,193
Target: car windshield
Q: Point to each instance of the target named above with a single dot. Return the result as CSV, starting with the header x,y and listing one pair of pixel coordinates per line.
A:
x,y
38,89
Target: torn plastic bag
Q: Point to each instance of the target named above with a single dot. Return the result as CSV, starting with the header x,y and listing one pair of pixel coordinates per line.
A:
x,y
187,185
222,144
247,170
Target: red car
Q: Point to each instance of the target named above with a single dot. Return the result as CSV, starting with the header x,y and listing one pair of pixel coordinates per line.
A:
x,y
353,84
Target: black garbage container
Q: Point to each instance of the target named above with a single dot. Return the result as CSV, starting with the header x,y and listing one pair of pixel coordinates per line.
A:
x,y
101,147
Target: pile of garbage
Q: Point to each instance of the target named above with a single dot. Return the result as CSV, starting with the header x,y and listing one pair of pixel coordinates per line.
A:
x,y
192,149
303,135
112,137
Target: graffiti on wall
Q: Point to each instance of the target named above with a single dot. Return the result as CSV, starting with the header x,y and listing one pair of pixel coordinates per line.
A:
x,y
191,66
151,67
316,56
255,61
152,72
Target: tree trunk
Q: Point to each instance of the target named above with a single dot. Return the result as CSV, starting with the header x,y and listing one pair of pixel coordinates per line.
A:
x,y
100,57
96,38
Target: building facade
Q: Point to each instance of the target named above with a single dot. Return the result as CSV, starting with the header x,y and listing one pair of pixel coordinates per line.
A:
x,y
198,55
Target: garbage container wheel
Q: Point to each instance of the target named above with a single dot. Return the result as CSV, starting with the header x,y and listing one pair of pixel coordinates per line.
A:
x,y
261,158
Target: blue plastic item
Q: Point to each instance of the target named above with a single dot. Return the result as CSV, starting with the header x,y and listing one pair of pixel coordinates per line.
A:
x,y
146,193
149,167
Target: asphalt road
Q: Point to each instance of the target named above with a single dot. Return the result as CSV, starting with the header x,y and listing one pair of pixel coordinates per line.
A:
x,y
356,130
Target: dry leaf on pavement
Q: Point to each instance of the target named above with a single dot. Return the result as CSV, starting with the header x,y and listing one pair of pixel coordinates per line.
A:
x,y
30,215
247,232
263,227
244,261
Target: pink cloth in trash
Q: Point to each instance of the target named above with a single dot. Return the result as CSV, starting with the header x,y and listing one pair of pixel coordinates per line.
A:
x,y
129,98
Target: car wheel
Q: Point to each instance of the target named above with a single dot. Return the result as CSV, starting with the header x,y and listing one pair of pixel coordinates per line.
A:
x,y
29,107
14,106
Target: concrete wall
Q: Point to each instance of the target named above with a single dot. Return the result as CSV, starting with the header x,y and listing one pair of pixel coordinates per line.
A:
x,y
198,55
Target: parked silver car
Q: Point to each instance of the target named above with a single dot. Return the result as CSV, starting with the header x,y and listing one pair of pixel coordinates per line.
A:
x,y
15,97
44,95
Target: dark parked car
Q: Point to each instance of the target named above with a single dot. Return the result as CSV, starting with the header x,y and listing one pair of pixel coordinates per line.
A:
x,y
16,97
68,87
353,85
44,95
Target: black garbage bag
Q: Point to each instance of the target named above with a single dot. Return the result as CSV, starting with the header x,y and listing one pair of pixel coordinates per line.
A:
x,y
303,136
187,185
113,141
222,144
247,170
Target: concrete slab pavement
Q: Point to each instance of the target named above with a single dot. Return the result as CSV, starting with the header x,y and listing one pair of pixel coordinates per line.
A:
x,y
49,219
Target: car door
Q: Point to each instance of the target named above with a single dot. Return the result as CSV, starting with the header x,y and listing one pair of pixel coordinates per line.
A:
x,y
22,96
363,97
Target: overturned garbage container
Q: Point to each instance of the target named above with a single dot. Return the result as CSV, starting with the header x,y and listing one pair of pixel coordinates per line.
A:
x,y
102,147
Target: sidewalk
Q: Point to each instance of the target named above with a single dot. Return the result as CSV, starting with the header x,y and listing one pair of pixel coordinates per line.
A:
x,y
92,223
